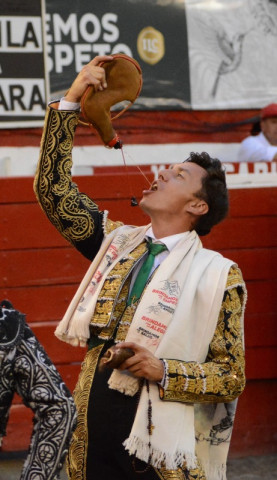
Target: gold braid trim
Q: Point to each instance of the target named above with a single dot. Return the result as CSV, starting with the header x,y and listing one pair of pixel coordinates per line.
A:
x,y
67,209
110,225
170,474
77,455
181,473
234,278
106,314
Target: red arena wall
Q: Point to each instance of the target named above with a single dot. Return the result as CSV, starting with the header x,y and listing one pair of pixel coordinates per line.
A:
x,y
40,272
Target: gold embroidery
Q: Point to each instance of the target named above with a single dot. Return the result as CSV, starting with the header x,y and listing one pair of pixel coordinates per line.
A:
x,y
113,296
182,473
58,197
221,377
110,226
234,277
125,322
122,332
77,456
170,474
196,474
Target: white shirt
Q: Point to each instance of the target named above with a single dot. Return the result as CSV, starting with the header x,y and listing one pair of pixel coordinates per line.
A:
x,y
169,242
256,149
65,105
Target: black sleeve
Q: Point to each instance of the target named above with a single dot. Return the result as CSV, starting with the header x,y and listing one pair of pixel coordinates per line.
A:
x,y
75,215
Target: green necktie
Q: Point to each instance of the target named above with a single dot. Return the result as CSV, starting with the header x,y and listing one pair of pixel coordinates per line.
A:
x,y
142,277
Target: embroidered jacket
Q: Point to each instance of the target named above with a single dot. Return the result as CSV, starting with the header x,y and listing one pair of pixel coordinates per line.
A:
x,y
221,377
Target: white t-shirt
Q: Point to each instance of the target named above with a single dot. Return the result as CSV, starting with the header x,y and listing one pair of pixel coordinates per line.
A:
x,y
256,149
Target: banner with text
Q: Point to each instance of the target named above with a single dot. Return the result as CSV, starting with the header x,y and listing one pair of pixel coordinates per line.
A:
x,y
153,32
194,54
22,66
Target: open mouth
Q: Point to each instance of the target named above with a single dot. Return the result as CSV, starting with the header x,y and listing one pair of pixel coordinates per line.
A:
x,y
152,188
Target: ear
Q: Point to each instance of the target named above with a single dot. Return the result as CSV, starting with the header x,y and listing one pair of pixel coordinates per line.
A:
x,y
197,207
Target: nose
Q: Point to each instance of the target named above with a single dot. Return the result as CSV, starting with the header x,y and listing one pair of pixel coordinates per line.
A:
x,y
164,174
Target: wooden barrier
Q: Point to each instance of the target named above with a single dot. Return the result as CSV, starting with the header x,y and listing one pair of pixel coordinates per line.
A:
x,y
40,272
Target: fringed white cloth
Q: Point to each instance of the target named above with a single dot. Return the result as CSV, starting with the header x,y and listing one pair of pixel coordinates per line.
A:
x,y
74,327
172,441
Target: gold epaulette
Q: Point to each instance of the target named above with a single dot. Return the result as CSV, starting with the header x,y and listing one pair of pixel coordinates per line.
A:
x,y
110,225
234,278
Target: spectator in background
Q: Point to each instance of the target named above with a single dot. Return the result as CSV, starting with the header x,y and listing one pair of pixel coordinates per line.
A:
x,y
27,370
262,147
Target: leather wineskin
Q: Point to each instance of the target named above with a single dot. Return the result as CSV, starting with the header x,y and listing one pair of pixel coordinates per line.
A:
x,y
114,356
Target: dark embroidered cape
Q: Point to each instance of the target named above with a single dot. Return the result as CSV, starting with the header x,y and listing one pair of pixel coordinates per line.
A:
x,y
27,370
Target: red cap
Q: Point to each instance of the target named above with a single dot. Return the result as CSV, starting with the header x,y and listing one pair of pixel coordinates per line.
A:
x,y
269,111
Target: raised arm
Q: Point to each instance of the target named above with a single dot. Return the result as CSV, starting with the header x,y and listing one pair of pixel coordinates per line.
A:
x,y
75,215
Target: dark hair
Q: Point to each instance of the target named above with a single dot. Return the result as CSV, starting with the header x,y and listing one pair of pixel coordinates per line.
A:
x,y
214,191
256,128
